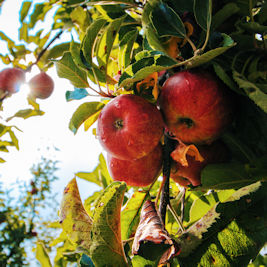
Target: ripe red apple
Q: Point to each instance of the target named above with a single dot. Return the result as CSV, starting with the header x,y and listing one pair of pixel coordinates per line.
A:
x,y
214,153
129,127
196,106
41,86
139,172
11,79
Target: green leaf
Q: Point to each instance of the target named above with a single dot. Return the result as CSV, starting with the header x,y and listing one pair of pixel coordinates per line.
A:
x,y
206,57
57,51
42,255
84,112
106,43
107,249
39,12
203,13
66,68
153,39
99,175
253,27
73,218
90,39
26,113
203,204
232,240
131,213
234,175
23,32
24,10
167,22
252,91
14,139
144,67
80,17
226,78
126,48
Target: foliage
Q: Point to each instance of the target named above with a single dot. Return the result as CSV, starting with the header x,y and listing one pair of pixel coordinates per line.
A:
x,y
23,219
113,48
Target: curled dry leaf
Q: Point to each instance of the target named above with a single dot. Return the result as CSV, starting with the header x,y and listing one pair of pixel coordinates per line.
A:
x,y
151,229
150,81
182,150
73,218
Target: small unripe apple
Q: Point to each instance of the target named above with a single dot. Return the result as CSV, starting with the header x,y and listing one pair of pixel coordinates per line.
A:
x,y
11,79
191,174
41,86
196,106
139,172
129,127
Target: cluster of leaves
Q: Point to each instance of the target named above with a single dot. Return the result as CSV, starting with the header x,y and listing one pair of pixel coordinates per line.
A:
x,y
136,40
22,219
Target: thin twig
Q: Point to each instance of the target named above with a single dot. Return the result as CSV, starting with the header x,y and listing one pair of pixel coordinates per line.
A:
x,y
44,50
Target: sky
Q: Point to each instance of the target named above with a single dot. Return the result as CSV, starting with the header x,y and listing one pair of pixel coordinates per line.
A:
x,y
75,152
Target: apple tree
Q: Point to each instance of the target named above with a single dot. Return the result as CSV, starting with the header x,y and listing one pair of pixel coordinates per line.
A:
x,y
181,116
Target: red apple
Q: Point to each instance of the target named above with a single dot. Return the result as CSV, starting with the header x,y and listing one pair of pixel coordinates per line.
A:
x,y
129,127
11,79
214,153
41,85
139,172
196,106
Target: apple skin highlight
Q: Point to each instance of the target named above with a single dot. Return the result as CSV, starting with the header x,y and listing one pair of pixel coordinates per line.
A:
x,y
11,79
196,106
129,127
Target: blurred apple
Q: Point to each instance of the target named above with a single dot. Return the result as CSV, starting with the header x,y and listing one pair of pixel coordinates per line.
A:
x,y
41,86
11,79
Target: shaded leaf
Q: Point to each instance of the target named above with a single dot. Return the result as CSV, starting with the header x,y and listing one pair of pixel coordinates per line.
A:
x,y
66,68
73,217
83,113
234,175
252,91
166,21
107,248
131,213
203,13
85,261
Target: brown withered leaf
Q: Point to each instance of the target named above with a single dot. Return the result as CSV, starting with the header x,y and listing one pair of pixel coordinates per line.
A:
x,y
151,229
182,150
73,218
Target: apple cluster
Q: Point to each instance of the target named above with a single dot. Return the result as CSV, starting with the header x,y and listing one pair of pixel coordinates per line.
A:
x,y
41,85
130,129
193,108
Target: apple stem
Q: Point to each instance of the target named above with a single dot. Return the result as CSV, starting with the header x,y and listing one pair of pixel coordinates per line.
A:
x,y
164,189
